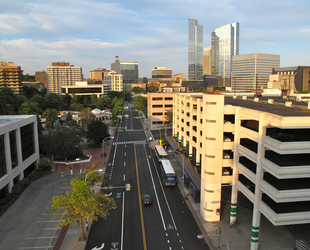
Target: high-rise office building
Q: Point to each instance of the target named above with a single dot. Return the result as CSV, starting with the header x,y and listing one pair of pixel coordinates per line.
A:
x,y
251,71
11,76
62,74
195,49
129,70
207,61
114,80
225,45
161,72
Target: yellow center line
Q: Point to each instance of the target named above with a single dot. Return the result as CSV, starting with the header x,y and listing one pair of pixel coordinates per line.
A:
x,y
140,203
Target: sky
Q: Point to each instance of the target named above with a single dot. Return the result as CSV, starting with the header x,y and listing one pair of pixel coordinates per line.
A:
x,y
89,33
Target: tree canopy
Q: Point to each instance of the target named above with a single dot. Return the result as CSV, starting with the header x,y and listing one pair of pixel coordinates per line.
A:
x,y
82,205
97,131
137,89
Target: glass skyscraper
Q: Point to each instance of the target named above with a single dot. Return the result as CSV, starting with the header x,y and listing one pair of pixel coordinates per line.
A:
x,y
225,45
195,49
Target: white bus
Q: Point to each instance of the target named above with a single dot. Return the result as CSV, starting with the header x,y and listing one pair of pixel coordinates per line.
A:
x,y
167,173
160,152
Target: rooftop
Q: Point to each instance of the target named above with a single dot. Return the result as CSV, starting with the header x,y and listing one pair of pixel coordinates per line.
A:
x,y
9,119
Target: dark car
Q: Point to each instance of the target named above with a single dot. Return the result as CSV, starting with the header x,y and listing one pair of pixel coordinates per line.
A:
x,y
257,95
146,199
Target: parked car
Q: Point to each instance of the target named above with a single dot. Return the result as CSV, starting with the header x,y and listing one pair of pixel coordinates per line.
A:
x,y
146,199
257,95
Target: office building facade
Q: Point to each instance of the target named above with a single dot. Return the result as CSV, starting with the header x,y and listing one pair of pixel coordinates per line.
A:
x,y
98,74
129,70
114,80
207,61
195,49
161,72
40,76
251,72
225,45
19,149
62,74
11,76
259,149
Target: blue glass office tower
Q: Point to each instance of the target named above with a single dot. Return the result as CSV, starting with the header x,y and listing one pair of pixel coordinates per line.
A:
x,y
195,49
224,45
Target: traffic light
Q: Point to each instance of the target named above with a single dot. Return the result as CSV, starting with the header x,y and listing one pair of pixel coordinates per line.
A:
x,y
128,187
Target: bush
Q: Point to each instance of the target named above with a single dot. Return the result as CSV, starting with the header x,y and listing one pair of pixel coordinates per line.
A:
x,y
9,196
24,182
3,201
17,189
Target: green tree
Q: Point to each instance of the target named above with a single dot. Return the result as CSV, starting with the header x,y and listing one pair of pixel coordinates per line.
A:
x,y
87,116
201,89
8,102
169,116
137,89
97,131
93,100
30,91
30,108
140,103
76,106
66,101
126,96
82,205
104,103
53,101
40,100
51,116
75,98
29,78
151,90
113,94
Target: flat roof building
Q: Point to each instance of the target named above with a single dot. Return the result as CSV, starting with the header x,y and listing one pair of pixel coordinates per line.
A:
x,y
161,72
99,73
129,70
19,149
258,148
11,76
62,74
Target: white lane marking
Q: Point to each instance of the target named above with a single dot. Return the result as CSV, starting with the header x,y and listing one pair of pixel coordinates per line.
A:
x,y
159,207
122,232
125,154
175,226
124,178
124,164
44,247
114,153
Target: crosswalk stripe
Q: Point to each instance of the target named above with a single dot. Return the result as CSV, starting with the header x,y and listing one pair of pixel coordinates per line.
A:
x,y
302,244
129,142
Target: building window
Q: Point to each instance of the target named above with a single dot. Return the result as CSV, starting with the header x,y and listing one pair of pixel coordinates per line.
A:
x,y
2,157
157,114
168,98
27,141
13,148
157,98
209,191
209,173
210,156
211,103
210,138
211,121
157,106
169,106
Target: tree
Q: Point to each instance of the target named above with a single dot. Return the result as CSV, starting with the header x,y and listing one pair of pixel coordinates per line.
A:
x,y
97,131
137,89
66,101
76,106
140,103
30,91
29,78
8,102
30,108
104,103
201,89
51,115
40,100
53,101
81,204
61,144
93,100
169,116
87,116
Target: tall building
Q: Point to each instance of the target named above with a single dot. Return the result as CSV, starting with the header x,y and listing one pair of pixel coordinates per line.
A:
x,y
207,61
195,49
62,74
251,71
98,74
114,80
129,70
41,77
19,149
225,45
258,148
161,72
11,76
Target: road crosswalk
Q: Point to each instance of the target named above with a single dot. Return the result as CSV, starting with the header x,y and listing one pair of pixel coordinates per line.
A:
x,y
130,130
130,142
301,244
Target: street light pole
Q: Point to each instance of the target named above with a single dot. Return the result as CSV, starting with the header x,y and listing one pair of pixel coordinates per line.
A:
x,y
201,236
103,146
183,166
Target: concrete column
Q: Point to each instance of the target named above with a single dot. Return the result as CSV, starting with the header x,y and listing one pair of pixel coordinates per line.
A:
x,y
259,177
234,190
198,153
184,143
190,151
19,154
36,141
8,161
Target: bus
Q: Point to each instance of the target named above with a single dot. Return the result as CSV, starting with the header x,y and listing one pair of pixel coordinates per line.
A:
x,y
160,152
167,172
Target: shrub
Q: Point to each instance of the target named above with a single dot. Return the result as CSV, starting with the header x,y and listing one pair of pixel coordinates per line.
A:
x,y
17,189
9,196
24,182
3,201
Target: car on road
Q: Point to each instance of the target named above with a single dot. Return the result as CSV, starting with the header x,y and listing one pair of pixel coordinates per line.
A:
x,y
257,95
146,199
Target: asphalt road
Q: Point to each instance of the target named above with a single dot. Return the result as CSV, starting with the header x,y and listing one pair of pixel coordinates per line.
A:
x,y
166,224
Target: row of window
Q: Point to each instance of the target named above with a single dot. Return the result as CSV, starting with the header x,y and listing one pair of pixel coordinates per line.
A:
x,y
161,98
160,106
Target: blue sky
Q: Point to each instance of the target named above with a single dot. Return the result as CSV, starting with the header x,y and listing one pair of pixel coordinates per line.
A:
x,y
89,33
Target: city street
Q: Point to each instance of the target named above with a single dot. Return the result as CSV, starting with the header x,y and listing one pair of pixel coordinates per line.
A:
x,y
166,224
